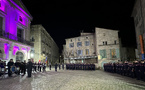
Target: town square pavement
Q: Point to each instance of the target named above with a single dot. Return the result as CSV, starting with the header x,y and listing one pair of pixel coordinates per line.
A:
x,y
71,80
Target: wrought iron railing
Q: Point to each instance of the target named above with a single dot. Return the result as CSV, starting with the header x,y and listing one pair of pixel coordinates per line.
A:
x,y
13,37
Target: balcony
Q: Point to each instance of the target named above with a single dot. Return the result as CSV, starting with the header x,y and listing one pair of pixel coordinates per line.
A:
x,y
15,38
109,44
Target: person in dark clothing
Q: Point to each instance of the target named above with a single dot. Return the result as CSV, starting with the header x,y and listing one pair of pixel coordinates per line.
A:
x,y
50,66
59,66
56,67
63,66
17,64
24,67
10,63
29,67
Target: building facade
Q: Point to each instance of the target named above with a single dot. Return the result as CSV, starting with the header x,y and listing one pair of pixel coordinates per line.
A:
x,y
107,45
15,23
45,47
139,22
80,49
99,47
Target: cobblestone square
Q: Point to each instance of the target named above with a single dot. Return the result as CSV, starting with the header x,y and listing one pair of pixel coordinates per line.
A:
x,y
71,80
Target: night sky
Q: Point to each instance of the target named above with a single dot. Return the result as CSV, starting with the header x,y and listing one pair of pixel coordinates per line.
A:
x,y
66,18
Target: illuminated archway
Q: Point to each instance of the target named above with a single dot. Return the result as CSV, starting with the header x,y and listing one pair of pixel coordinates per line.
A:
x,y
19,56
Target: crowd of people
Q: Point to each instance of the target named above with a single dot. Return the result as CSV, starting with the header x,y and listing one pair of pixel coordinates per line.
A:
x,y
134,69
21,67
80,66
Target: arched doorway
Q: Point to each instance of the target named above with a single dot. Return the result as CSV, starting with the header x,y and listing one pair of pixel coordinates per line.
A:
x,y
20,56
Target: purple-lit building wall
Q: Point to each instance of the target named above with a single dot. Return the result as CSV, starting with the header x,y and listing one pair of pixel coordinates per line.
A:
x,y
15,23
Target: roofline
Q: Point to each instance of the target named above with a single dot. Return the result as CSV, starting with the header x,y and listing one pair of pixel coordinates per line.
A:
x,y
18,7
107,29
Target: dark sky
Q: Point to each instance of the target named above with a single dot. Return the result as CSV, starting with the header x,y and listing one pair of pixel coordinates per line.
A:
x,y
66,18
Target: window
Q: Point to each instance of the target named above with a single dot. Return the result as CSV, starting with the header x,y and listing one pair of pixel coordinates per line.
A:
x,y
78,39
103,53
87,51
0,3
86,37
71,40
20,18
71,45
87,43
115,42
19,33
105,42
79,44
0,51
32,39
113,53
79,52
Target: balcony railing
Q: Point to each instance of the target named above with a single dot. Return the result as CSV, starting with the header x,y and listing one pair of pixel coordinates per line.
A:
x,y
109,44
12,37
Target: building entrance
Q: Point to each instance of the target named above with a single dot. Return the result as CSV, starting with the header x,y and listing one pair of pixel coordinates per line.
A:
x,y
20,56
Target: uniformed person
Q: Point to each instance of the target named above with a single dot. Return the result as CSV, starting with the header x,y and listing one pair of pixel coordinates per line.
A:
x,y
29,67
17,64
56,67
10,63
24,68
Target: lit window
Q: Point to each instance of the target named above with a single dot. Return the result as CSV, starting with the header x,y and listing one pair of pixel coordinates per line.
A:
x,y
87,51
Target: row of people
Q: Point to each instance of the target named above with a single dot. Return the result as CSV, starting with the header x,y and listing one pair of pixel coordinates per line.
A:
x,y
135,69
80,66
20,67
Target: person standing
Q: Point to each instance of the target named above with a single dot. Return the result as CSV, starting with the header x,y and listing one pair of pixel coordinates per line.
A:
x,y
29,67
24,68
56,67
59,66
10,63
63,66
50,66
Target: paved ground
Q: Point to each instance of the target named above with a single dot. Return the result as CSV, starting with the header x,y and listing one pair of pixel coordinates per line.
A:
x,y
71,80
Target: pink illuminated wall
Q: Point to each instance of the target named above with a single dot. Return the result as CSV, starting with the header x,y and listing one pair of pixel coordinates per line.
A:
x,y
24,50
6,50
2,7
15,49
12,18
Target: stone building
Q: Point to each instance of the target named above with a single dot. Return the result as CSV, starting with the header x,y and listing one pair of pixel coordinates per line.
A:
x,y
15,23
139,22
80,49
107,45
99,47
44,46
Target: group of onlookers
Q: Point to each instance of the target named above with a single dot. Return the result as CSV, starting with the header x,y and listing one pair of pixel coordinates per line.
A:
x,y
134,69
20,67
